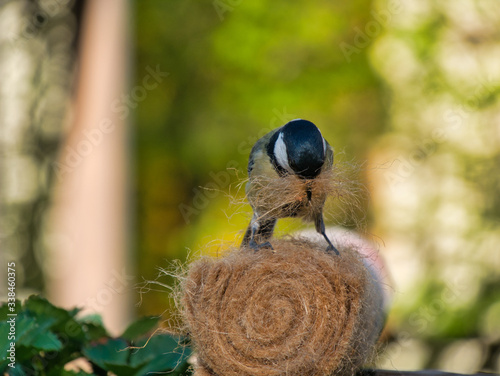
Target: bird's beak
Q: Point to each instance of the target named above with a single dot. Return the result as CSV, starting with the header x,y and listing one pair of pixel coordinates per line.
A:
x,y
309,190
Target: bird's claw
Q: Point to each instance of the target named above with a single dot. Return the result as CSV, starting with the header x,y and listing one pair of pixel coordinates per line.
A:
x,y
331,248
256,247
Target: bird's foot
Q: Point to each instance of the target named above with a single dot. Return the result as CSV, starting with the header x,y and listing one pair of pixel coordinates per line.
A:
x,y
331,249
256,247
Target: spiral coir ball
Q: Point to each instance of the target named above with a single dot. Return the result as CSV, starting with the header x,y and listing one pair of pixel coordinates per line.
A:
x,y
293,310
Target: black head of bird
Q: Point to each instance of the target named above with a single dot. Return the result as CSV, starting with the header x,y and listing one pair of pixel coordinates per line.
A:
x,y
296,150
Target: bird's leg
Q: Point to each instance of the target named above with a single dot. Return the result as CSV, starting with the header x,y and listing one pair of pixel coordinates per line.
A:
x,y
320,227
264,231
309,191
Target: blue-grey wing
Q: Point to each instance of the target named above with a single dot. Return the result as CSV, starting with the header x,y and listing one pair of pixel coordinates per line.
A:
x,y
259,148
328,156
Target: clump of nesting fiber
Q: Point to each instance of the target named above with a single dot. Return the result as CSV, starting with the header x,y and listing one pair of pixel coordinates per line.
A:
x,y
287,195
296,310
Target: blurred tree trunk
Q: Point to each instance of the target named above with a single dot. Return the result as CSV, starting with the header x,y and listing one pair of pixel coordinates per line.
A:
x,y
89,217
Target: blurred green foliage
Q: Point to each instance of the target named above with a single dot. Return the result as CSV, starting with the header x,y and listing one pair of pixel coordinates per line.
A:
x,y
436,201
236,70
42,339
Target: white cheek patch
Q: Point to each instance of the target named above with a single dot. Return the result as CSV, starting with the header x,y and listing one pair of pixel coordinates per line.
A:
x,y
324,142
281,154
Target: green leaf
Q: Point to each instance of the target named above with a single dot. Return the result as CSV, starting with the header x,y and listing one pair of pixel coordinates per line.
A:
x,y
24,323
122,370
16,371
112,351
140,328
161,353
3,365
35,333
93,318
93,327
4,309
95,332
5,343
46,341
42,308
63,321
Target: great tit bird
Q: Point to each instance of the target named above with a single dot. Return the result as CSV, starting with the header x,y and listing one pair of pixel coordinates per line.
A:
x,y
297,150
